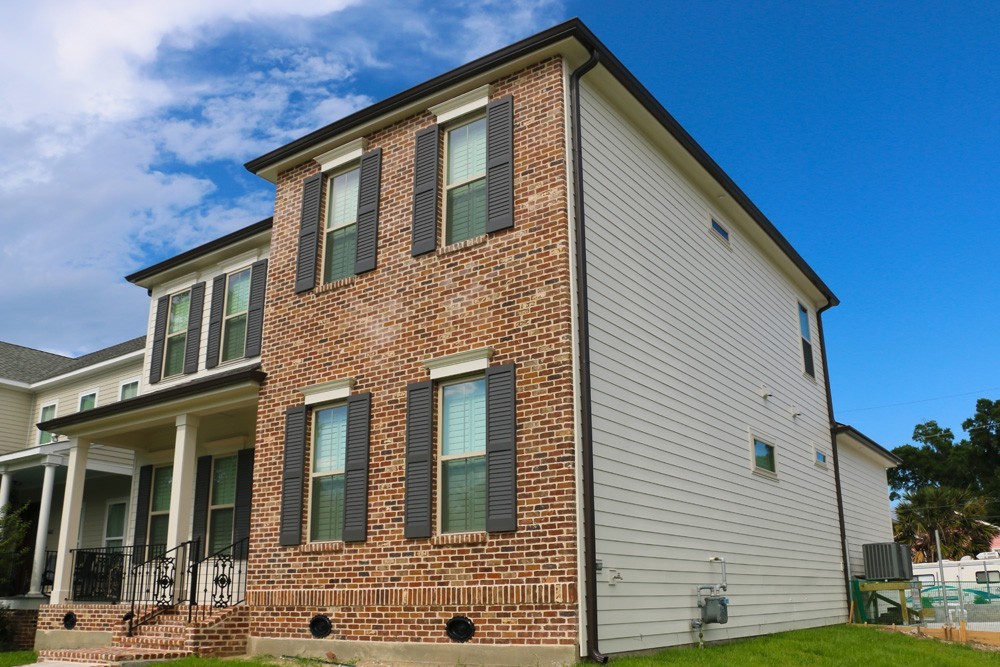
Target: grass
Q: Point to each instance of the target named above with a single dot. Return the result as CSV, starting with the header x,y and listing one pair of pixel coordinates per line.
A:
x,y
834,645
12,658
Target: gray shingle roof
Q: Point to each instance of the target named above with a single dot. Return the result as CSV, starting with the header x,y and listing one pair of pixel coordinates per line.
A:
x,y
24,364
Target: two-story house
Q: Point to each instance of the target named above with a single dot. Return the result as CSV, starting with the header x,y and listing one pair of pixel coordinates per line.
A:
x,y
528,370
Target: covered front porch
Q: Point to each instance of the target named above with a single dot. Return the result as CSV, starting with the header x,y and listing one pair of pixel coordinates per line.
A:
x,y
186,531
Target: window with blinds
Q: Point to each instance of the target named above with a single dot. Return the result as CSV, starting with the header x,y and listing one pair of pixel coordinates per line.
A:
x,y
463,456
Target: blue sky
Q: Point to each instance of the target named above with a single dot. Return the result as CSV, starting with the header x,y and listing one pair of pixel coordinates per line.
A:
x,y
869,133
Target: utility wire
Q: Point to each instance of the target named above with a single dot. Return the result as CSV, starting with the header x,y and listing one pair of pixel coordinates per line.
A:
x,y
922,400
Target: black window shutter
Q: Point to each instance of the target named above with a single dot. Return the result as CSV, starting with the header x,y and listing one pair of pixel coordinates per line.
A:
x,y
159,336
359,409
425,191
292,478
244,499
202,489
501,476
419,454
312,211
807,357
368,195
142,505
500,164
192,344
215,317
255,312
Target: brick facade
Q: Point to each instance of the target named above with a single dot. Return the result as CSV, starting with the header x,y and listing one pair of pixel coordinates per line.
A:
x,y
509,291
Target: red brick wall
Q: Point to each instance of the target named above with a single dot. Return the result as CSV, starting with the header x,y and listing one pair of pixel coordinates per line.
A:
x,y
23,625
510,292
100,617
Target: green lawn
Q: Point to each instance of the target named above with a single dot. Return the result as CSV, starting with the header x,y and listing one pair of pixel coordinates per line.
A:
x,y
12,658
834,645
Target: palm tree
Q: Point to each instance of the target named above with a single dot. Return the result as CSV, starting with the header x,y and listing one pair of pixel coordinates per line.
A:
x,y
957,513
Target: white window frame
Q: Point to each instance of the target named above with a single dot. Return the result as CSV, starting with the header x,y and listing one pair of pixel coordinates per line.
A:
x,y
714,227
104,528
124,383
226,318
41,411
439,446
756,437
211,498
454,124
167,335
800,310
327,229
817,452
152,491
314,410
84,394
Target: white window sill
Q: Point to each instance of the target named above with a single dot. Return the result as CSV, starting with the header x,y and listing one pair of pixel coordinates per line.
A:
x,y
766,474
310,547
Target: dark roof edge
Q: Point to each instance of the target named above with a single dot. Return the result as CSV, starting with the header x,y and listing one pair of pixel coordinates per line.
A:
x,y
573,28
253,373
865,440
204,249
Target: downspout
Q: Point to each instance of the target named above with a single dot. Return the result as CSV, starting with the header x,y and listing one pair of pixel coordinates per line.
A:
x,y
583,331
836,457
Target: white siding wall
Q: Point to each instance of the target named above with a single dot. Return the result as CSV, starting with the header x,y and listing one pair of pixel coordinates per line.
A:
x,y
206,275
15,419
97,493
684,330
867,517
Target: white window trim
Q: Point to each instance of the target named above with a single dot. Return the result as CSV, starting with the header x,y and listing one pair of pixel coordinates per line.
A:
x,y
211,498
799,308
55,413
439,449
104,528
88,392
152,491
225,318
328,392
462,105
457,184
346,167
767,440
460,363
121,385
326,473
342,155
714,220
167,335
826,457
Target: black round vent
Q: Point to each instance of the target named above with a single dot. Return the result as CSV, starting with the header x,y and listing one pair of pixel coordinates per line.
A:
x,y
320,626
69,620
460,628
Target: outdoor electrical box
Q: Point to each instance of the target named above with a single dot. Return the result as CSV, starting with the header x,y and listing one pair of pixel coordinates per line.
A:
x,y
714,609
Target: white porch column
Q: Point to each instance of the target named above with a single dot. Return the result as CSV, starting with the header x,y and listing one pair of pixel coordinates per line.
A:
x,y
5,484
42,534
69,525
182,486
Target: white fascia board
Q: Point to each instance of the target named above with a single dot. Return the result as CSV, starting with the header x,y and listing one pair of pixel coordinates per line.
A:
x,y
131,356
341,155
461,363
461,105
14,384
327,392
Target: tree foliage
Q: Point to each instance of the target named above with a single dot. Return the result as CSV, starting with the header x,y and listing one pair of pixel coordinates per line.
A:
x,y
956,513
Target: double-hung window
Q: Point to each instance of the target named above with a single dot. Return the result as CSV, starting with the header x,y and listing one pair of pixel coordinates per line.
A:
x,y
807,350
340,246
463,455
234,329
114,524
48,412
176,336
326,518
128,389
159,506
88,401
222,504
465,181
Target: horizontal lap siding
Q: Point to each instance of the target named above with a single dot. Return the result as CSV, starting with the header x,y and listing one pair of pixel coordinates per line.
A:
x,y
683,332
867,517
15,419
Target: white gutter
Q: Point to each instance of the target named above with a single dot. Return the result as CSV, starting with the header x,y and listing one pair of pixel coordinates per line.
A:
x,y
41,384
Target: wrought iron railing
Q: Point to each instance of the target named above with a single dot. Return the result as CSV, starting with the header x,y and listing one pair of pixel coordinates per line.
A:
x,y
101,575
49,573
219,580
157,583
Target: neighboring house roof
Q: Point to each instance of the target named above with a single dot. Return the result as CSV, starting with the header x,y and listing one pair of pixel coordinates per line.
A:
x,y
204,249
572,29
867,442
24,364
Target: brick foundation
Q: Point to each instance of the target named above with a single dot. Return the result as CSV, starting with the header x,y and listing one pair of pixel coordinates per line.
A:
x,y
23,625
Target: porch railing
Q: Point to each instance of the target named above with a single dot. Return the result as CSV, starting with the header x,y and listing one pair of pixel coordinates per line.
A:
x,y
219,580
101,575
157,583
15,573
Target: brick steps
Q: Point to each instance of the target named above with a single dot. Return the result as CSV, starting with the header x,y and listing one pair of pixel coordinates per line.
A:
x,y
112,656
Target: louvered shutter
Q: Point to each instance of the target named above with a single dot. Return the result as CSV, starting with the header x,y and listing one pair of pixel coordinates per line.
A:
x,y
215,316
309,223
356,468
368,196
501,476
500,164
142,506
419,454
192,343
425,191
202,491
255,311
244,501
159,337
292,477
